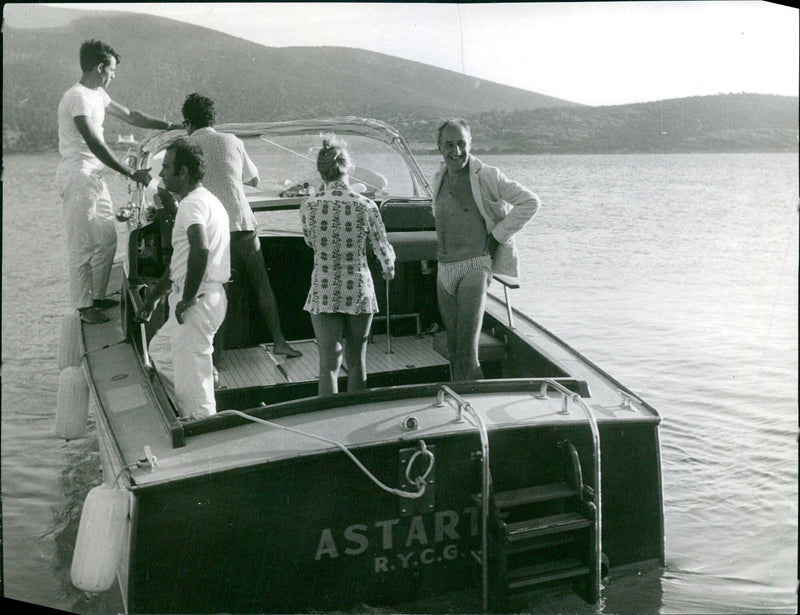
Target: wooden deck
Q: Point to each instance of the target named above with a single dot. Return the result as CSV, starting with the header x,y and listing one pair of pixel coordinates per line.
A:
x,y
257,366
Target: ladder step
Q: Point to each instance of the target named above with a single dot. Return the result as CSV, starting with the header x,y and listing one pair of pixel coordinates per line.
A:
x,y
530,495
546,542
541,526
545,573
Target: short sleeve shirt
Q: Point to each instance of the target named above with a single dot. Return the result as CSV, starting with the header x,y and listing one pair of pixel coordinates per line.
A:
x,y
228,167
201,207
92,103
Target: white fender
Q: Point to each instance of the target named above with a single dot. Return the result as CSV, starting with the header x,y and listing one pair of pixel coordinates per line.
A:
x,y
69,347
101,536
72,409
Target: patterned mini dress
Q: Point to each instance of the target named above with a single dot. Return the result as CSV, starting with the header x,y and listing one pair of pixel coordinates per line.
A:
x,y
336,224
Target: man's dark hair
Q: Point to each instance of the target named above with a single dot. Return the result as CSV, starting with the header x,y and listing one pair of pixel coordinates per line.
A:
x,y
96,52
190,156
199,110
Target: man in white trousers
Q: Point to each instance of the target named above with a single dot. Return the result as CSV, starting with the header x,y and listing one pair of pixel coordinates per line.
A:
x,y
182,348
87,211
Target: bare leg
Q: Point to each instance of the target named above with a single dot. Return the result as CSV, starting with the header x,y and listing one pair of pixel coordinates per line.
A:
x,y
249,255
471,305
462,316
329,329
355,350
448,309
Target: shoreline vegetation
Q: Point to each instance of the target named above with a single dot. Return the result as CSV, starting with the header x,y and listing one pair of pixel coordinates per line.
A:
x,y
725,123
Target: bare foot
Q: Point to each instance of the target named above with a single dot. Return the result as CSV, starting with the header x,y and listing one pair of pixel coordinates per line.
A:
x,y
92,316
286,350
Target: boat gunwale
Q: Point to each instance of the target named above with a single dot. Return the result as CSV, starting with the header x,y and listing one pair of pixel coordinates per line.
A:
x,y
578,355
314,404
409,440
352,403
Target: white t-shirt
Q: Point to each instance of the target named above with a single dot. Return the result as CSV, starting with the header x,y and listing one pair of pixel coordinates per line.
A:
x,y
80,100
201,207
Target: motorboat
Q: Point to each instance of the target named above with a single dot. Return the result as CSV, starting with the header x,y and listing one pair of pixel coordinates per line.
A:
x,y
545,473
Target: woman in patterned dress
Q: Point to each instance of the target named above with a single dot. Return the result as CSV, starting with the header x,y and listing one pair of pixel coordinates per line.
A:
x,y
336,224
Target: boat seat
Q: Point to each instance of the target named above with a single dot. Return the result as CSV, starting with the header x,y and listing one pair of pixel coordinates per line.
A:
x,y
413,245
489,347
400,214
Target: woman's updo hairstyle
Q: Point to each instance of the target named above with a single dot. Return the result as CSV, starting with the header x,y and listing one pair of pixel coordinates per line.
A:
x,y
333,159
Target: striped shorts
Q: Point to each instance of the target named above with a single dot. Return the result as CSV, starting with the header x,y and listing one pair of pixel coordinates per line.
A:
x,y
449,275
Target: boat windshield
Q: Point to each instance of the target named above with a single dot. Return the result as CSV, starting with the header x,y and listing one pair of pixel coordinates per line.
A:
x,y
288,164
287,170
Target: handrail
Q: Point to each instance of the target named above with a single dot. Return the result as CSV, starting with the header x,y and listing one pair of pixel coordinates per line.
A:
x,y
574,397
506,285
486,479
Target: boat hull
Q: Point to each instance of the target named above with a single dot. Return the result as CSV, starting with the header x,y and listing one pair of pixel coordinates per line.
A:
x,y
316,534
554,472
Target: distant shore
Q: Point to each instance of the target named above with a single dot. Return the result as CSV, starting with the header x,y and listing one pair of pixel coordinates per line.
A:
x,y
419,149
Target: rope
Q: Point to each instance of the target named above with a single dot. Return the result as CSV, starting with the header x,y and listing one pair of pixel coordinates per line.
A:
x,y
419,481
150,461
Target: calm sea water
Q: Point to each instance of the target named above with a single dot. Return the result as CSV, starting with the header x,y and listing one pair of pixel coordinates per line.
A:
x,y
678,274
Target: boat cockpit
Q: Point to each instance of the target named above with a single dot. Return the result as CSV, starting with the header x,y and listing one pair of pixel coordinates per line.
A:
x,y
407,346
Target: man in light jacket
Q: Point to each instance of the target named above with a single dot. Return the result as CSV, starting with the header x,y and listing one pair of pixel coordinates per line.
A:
x,y
478,211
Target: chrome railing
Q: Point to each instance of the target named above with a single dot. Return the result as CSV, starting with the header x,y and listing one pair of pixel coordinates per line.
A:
x,y
486,480
506,285
566,397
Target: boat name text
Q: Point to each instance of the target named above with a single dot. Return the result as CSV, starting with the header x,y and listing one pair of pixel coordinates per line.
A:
x,y
402,533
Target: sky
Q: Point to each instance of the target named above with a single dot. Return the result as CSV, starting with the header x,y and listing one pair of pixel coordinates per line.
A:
x,y
595,53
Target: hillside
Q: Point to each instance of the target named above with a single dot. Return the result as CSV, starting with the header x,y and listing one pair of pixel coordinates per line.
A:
x,y
163,60
722,123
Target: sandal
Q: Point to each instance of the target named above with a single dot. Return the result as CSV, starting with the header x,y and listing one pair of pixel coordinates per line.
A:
x,y
92,316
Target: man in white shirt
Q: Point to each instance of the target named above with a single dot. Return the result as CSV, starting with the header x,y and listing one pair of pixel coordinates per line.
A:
x,y
182,348
87,211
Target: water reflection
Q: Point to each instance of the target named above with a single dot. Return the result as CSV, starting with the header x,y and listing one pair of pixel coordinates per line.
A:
x,y
626,590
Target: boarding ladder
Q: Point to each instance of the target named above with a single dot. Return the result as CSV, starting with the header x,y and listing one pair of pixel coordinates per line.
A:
x,y
539,535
